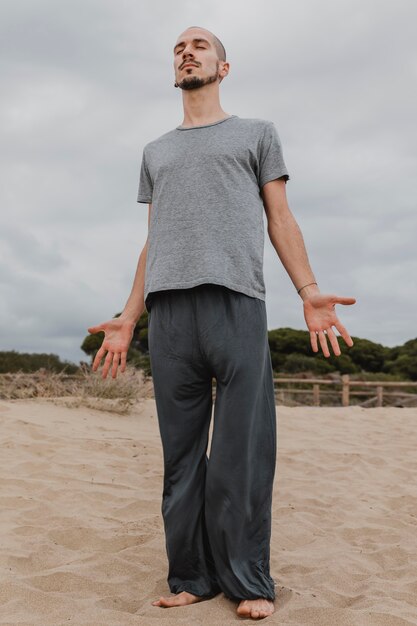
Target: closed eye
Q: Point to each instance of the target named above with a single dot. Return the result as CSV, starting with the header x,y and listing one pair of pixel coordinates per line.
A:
x,y
202,47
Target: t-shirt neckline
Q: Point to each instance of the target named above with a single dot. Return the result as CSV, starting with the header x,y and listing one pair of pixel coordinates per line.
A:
x,y
205,125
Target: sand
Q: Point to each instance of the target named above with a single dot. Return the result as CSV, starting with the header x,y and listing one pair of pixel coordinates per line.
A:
x,y
82,538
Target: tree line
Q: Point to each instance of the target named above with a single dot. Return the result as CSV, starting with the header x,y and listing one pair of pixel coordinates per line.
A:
x,y
291,353
13,361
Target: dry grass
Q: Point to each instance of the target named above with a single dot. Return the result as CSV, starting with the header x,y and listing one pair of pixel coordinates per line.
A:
x,y
84,389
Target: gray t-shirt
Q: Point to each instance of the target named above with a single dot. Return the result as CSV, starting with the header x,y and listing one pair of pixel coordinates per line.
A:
x,y
206,221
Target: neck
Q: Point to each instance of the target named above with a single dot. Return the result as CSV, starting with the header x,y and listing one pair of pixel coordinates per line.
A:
x,y
202,106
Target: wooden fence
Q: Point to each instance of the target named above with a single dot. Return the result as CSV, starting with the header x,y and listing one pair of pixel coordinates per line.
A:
x,y
345,388
308,391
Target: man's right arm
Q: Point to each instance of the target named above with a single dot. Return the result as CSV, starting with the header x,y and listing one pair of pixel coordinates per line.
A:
x,y
135,304
118,331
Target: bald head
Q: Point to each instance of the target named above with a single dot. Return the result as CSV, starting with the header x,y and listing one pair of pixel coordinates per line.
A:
x,y
220,49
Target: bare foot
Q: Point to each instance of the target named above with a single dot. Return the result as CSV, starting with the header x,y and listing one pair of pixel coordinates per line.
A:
x,y
179,599
257,609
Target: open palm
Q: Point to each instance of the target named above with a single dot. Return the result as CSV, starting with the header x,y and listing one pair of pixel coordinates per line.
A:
x,y
118,334
320,316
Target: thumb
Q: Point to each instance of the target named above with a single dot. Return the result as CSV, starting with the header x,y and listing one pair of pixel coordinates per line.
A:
x,y
95,329
344,300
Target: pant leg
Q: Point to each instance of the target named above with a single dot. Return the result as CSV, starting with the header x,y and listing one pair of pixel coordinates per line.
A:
x,y
242,459
183,396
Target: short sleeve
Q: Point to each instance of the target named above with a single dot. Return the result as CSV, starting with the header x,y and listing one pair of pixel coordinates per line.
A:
x,y
271,159
145,182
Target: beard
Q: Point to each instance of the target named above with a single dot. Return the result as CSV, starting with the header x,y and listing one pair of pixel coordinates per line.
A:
x,y
194,82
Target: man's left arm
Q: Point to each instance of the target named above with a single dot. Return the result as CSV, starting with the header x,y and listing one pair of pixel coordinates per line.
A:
x,y
287,239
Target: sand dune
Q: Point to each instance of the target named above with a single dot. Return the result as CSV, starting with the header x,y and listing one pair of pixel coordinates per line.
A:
x,y
82,537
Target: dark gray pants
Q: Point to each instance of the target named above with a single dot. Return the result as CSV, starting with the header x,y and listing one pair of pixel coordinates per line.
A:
x,y
216,510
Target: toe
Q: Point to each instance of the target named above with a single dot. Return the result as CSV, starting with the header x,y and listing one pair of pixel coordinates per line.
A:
x,y
243,609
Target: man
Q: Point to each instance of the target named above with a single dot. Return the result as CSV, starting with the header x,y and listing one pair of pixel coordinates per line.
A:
x,y
207,183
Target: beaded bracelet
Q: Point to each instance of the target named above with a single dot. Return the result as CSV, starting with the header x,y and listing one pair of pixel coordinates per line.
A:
x,y
298,290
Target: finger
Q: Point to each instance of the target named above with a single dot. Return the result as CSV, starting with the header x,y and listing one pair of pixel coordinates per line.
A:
x,y
116,358
97,360
107,362
344,300
313,340
342,330
333,340
323,343
123,362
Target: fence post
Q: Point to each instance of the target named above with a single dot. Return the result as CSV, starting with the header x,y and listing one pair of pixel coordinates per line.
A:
x,y
316,394
379,395
345,390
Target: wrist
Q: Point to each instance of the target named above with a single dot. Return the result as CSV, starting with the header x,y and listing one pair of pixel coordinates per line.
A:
x,y
308,290
129,317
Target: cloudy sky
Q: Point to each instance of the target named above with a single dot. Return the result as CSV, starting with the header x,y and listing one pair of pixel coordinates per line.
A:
x,y
87,83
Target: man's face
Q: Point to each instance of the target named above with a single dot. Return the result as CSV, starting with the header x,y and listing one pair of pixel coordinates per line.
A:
x,y
195,60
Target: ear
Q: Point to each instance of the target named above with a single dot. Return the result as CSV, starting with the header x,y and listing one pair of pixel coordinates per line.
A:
x,y
223,70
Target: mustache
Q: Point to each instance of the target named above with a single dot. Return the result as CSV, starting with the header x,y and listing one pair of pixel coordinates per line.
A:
x,y
188,63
